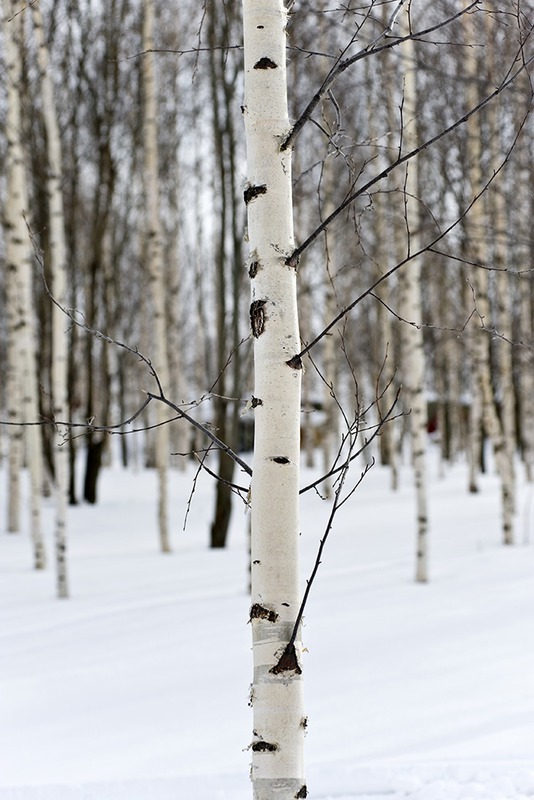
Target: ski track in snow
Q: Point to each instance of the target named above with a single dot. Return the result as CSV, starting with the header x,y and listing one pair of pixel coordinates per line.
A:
x,y
136,687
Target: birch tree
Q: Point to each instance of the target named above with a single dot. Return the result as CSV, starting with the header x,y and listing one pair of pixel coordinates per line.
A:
x,y
413,359
476,224
154,253
22,368
14,236
276,694
58,270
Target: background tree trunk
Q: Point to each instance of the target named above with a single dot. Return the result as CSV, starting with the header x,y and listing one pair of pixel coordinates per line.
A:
x,y
224,79
156,276
477,225
413,357
22,369
58,270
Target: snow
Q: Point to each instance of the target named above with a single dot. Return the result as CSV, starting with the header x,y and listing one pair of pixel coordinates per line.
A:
x,y
136,687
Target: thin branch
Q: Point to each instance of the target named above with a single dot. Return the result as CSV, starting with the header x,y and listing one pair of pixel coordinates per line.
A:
x,y
234,486
190,51
21,10
204,429
194,486
337,503
335,470
479,264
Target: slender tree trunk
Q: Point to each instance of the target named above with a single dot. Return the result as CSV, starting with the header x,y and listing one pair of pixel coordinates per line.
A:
x,y
156,273
526,326
524,258
413,372
480,343
13,238
498,222
228,260
58,269
276,697
384,256
22,367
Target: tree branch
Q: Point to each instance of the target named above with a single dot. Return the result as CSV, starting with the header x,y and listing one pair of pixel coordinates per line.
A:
x,y
342,65
297,358
293,259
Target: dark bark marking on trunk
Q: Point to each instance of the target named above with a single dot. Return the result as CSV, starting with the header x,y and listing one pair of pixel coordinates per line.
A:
x,y
295,362
253,269
257,317
255,402
288,662
264,747
260,612
265,63
280,460
304,723
302,792
253,191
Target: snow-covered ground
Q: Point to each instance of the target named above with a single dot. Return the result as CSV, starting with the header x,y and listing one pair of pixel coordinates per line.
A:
x,y
136,687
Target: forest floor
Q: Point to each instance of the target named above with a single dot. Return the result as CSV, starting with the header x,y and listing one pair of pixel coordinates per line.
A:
x,y
136,687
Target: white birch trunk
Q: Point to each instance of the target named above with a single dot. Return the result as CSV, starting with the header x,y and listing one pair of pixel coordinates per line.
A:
x,y
156,274
477,225
526,299
276,696
22,368
413,358
58,270
504,321
526,380
384,255
13,234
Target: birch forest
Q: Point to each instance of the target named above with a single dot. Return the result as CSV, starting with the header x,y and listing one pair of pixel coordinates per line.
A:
x,y
244,238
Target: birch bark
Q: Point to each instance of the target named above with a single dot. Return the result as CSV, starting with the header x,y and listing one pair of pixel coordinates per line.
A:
x,y
276,696
526,321
58,269
479,338
413,358
384,256
155,263
13,257
22,367
498,221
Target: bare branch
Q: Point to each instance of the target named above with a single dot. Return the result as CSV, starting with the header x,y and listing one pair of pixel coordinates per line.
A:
x,y
388,416
204,429
160,396
293,259
297,358
342,65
